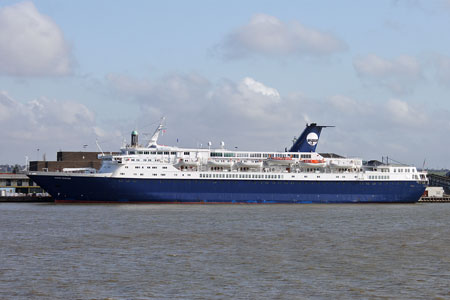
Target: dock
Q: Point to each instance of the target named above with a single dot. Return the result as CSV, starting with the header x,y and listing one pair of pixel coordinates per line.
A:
x,y
26,199
435,199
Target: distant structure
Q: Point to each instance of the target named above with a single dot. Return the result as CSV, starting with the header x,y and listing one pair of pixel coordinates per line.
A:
x,y
11,184
68,159
438,180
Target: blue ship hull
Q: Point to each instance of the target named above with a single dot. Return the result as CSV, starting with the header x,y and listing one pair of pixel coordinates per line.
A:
x,y
116,190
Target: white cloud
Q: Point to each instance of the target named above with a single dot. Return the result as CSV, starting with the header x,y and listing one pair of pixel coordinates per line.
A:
x,y
398,74
267,35
31,44
47,124
404,113
258,87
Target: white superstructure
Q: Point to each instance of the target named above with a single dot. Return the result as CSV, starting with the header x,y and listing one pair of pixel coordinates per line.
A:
x,y
157,161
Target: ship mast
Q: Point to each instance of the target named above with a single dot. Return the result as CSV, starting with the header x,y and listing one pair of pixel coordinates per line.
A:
x,y
153,141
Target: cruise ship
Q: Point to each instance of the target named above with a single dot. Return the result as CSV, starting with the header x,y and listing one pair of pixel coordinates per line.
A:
x,y
154,173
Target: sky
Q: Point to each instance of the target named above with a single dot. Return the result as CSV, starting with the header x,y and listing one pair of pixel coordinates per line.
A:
x,y
249,73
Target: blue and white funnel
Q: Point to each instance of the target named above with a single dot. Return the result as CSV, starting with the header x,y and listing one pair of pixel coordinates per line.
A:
x,y
307,142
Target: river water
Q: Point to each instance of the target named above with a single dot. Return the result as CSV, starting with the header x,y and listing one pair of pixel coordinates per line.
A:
x,y
50,251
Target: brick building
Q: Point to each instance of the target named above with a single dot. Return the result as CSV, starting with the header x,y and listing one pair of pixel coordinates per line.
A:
x,y
68,159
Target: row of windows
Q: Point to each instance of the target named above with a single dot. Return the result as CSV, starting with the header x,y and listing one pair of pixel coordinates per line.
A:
x,y
257,155
378,177
154,174
156,152
242,176
16,182
139,167
403,170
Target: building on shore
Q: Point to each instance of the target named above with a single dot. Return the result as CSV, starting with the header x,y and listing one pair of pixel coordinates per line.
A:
x,y
17,184
68,159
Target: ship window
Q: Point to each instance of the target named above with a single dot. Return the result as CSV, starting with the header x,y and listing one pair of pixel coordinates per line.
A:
x,y
173,153
153,153
186,153
159,152
146,152
131,152
166,153
164,167
216,154
229,154
140,152
126,167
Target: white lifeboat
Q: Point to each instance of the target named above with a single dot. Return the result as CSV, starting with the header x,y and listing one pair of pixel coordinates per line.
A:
x,y
249,164
344,164
188,163
224,163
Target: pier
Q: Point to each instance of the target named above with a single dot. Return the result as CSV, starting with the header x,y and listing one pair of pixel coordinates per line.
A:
x,y
435,199
23,199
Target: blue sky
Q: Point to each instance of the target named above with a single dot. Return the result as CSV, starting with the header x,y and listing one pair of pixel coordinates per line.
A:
x,y
250,73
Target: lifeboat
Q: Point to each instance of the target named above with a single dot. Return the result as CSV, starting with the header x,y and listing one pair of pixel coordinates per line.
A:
x,y
280,160
315,163
188,163
224,163
344,164
249,164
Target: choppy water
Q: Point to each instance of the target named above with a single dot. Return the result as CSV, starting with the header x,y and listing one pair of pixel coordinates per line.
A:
x,y
224,251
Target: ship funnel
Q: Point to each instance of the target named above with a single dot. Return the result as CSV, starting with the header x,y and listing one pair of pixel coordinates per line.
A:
x,y
134,138
307,142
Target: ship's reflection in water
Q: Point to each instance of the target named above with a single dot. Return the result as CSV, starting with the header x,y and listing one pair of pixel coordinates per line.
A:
x,y
224,251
